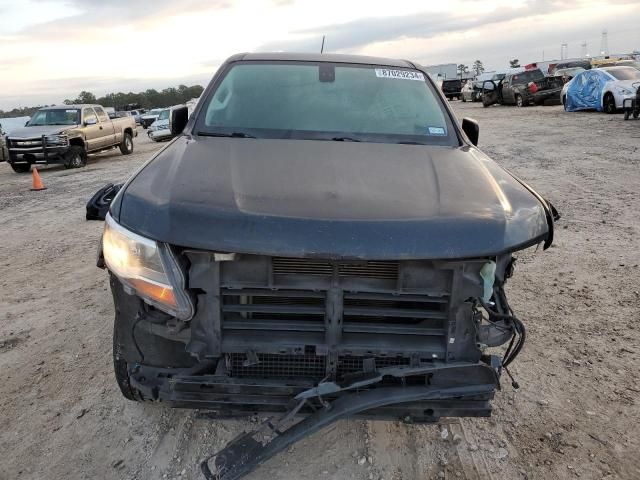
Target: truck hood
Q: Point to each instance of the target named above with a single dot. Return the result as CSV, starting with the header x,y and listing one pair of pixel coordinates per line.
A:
x,y
304,198
38,131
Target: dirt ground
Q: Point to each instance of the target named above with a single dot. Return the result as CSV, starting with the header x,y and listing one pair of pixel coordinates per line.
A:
x,y
576,414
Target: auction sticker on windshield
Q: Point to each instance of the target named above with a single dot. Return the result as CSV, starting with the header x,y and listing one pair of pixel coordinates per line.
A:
x,y
400,74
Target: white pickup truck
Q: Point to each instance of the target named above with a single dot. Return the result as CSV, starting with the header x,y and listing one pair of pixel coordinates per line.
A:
x,y
66,134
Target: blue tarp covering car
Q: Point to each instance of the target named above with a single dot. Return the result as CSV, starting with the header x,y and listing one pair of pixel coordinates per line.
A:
x,y
585,91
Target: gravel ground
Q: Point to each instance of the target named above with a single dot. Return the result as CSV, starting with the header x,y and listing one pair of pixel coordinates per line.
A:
x,y
575,415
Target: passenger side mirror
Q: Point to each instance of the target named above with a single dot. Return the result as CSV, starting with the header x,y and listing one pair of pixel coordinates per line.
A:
x,y
179,118
91,121
471,128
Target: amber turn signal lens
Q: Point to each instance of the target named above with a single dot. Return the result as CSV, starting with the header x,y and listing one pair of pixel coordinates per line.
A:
x,y
160,293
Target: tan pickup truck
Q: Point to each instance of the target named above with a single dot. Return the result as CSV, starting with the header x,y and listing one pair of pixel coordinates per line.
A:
x,y
66,134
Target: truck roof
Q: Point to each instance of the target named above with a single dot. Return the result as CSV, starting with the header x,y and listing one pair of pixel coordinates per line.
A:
x,y
322,57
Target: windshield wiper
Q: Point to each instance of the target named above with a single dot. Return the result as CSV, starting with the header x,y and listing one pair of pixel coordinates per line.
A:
x,y
228,135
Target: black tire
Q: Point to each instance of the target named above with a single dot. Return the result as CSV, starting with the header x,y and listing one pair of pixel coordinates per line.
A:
x,y
636,113
126,146
564,102
609,104
75,157
21,167
519,101
121,371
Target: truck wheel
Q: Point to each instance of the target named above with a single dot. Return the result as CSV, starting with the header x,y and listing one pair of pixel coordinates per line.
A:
x,y
21,167
609,103
121,371
126,147
519,100
75,157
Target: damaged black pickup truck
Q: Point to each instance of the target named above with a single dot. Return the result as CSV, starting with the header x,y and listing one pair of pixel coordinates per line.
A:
x,y
322,240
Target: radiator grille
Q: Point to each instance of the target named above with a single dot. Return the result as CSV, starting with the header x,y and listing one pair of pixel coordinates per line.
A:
x,y
383,270
277,366
395,309
265,304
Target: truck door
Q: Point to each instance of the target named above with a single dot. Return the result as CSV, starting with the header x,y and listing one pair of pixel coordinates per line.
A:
x,y
92,129
489,93
508,93
107,132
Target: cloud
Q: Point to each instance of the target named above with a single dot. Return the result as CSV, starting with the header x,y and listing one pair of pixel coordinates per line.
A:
x,y
91,16
356,34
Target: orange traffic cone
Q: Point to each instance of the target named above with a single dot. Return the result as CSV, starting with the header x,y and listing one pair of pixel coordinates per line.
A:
x,y
37,181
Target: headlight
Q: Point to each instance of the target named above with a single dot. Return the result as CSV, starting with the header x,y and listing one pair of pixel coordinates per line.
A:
x,y
56,139
624,91
146,267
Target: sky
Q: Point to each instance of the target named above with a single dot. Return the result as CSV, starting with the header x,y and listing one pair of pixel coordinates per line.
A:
x,y
52,49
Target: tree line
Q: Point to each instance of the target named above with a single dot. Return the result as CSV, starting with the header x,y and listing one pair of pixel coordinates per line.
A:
x,y
148,99
478,67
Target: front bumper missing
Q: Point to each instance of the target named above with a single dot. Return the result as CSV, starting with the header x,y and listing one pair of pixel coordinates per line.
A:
x,y
449,389
249,450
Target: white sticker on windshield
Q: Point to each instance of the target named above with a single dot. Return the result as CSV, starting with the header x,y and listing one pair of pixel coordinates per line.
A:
x,y
437,131
400,74
70,111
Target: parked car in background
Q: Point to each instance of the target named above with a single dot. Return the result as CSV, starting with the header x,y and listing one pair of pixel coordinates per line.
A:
x,y
136,114
621,63
66,135
452,88
601,89
286,248
568,73
4,153
151,116
468,94
161,128
472,89
530,87
584,64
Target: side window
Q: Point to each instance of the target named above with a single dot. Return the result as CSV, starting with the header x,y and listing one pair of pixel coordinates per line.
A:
x,y
102,115
87,114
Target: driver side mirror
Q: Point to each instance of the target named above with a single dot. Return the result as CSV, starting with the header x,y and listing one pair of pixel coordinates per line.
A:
x,y
471,129
179,118
90,121
98,206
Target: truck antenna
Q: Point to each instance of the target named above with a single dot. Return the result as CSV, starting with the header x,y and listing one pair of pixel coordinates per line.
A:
x,y
322,46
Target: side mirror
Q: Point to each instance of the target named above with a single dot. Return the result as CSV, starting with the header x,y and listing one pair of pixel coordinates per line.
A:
x,y
91,121
179,118
471,129
98,206
26,124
